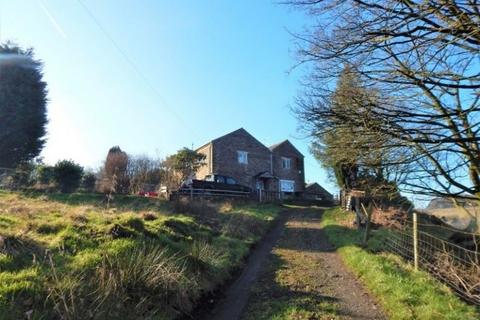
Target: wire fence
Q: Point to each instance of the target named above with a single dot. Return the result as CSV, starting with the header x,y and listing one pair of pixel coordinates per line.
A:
x,y
456,266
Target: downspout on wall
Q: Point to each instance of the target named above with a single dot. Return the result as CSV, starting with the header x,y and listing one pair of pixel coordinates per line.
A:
x,y
271,163
211,158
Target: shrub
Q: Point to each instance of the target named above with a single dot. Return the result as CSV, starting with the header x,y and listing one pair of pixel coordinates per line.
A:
x,y
88,181
22,176
44,174
67,174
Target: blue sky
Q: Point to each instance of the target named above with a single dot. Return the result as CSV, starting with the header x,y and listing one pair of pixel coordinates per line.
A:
x,y
154,76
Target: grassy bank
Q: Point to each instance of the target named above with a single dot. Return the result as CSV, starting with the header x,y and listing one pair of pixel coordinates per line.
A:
x,y
404,293
67,256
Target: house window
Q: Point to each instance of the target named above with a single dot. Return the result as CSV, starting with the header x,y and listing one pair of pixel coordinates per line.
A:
x,y
231,181
242,157
287,185
286,163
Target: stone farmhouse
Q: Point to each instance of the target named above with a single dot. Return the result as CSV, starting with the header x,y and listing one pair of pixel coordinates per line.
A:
x,y
279,168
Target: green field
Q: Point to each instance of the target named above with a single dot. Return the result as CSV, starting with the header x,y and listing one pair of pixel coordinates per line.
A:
x,y
68,256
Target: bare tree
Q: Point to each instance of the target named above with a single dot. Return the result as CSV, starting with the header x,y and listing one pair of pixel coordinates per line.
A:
x,y
422,60
144,173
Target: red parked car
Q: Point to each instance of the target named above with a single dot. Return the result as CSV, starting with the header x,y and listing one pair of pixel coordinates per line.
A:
x,y
148,194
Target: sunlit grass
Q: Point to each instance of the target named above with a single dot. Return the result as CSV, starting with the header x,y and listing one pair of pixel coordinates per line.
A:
x,y
54,246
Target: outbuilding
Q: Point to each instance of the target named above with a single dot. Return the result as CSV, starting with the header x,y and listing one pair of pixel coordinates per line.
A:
x,y
314,191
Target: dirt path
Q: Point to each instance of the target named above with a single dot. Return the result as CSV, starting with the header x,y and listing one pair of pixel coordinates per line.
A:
x,y
296,274
237,295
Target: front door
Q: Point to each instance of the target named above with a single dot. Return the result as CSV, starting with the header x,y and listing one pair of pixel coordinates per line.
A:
x,y
260,185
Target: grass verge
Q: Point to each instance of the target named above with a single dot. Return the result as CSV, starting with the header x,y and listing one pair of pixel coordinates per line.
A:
x,y
68,257
403,293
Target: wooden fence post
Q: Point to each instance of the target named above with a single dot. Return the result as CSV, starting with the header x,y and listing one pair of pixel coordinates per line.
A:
x,y
368,214
415,241
358,211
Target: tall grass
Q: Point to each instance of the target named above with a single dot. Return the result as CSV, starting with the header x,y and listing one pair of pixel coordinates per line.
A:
x,y
145,281
142,279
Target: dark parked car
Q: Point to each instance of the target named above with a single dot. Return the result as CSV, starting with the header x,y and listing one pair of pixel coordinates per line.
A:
x,y
215,182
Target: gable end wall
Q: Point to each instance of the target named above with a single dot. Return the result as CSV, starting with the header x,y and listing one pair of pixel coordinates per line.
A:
x,y
297,170
226,162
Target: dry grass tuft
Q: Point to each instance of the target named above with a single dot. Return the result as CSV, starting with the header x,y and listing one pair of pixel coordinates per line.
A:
x,y
197,207
226,206
140,279
16,245
205,258
78,218
149,216
142,282
19,209
243,226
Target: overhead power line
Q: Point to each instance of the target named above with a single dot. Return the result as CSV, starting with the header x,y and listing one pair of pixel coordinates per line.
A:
x,y
137,69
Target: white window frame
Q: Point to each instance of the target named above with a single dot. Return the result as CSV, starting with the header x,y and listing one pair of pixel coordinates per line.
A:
x,y
287,186
242,157
286,163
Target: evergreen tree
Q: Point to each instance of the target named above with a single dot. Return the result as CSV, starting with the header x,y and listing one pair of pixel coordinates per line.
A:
x,y
23,99
186,162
